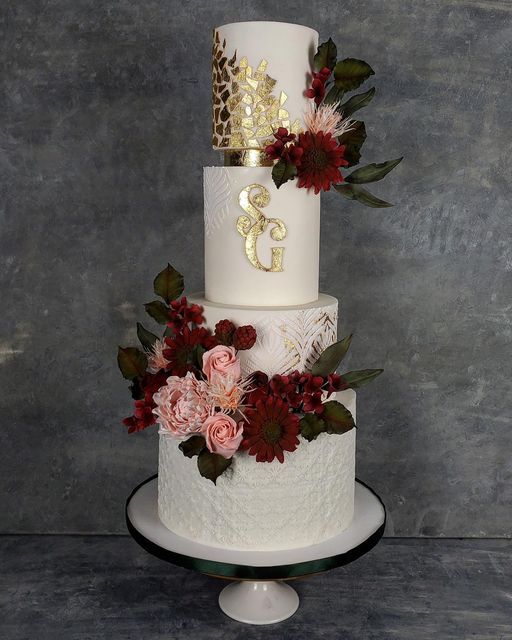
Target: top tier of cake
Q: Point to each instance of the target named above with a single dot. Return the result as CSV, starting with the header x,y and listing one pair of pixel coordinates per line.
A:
x,y
260,74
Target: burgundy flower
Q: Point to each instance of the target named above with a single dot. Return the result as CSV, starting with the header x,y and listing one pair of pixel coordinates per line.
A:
x,y
181,313
322,156
335,383
270,430
180,349
143,416
283,135
317,90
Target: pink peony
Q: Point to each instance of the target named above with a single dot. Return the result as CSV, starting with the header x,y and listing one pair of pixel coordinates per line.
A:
x,y
182,406
223,435
221,361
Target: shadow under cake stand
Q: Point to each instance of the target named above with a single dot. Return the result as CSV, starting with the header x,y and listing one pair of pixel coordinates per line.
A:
x,y
259,595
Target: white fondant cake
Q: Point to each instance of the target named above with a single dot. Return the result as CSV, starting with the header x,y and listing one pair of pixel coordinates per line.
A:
x,y
262,506
261,269
289,338
231,274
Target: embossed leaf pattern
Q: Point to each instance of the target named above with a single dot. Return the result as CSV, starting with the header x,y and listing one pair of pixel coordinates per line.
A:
x,y
217,193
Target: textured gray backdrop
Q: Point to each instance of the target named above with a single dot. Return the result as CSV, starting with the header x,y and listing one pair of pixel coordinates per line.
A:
x,y
104,125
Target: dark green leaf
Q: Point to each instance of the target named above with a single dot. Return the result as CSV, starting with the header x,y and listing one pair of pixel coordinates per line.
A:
x,y
136,389
337,418
355,192
350,73
356,102
198,356
147,339
132,362
372,172
169,284
331,358
282,172
211,465
311,426
158,311
333,95
353,141
193,446
325,56
356,379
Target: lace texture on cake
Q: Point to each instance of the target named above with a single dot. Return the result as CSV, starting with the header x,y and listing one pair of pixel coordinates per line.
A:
x,y
261,506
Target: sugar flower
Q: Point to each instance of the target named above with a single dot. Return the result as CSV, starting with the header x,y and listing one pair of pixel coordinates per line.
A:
x,y
327,118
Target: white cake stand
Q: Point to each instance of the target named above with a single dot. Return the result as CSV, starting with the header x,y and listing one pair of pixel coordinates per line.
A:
x,y
259,595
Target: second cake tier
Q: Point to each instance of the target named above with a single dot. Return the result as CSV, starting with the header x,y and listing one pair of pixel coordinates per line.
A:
x,y
261,243
289,338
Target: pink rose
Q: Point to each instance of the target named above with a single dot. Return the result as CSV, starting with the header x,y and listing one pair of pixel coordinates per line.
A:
x,y
182,406
221,361
223,435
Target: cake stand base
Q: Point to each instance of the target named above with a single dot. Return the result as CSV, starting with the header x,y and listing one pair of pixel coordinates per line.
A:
x,y
259,602
259,595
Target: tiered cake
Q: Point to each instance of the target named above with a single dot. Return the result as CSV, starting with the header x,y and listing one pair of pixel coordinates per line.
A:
x,y
261,268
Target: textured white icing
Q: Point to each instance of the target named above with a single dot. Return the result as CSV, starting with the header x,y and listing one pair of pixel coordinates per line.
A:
x,y
288,50
288,338
262,506
230,278
217,193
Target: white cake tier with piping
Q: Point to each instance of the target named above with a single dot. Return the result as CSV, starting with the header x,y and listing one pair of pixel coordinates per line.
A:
x,y
260,505
289,338
260,73
261,243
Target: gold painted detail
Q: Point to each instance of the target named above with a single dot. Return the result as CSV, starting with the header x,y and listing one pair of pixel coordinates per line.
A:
x,y
245,112
247,158
251,199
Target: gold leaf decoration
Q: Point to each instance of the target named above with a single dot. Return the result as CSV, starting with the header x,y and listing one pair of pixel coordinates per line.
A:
x,y
245,111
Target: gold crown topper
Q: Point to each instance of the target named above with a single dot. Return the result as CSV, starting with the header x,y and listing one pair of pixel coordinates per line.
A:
x,y
245,113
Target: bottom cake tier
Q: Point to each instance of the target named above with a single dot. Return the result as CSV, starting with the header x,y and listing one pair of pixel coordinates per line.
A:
x,y
262,506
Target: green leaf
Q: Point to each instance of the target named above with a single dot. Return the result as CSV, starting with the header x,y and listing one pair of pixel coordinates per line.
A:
x,y
136,390
282,172
353,141
198,356
350,73
193,446
331,358
337,418
325,56
169,284
132,362
311,426
356,379
212,465
355,192
158,311
147,339
356,102
372,172
333,95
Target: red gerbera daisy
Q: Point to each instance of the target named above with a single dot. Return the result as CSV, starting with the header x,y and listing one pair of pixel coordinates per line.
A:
x,y
270,430
320,161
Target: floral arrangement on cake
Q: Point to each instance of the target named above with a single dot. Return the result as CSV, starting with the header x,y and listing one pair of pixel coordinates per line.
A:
x,y
189,381
332,140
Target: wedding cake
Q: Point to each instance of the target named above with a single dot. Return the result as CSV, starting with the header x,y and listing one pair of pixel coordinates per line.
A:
x,y
256,427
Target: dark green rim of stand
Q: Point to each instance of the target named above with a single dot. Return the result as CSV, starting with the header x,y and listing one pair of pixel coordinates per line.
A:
x,y
247,572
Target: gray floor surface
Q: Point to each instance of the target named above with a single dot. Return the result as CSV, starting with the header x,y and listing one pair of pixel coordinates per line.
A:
x,y
106,587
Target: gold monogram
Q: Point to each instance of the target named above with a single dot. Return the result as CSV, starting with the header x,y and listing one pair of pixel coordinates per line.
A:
x,y
252,227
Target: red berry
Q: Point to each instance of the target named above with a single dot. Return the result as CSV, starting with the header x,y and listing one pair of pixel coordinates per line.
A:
x,y
244,337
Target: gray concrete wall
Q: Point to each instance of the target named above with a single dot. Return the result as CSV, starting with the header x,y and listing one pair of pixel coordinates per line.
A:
x,y
104,130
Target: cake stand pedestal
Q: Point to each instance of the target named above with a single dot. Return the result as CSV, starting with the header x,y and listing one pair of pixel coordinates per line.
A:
x,y
259,595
